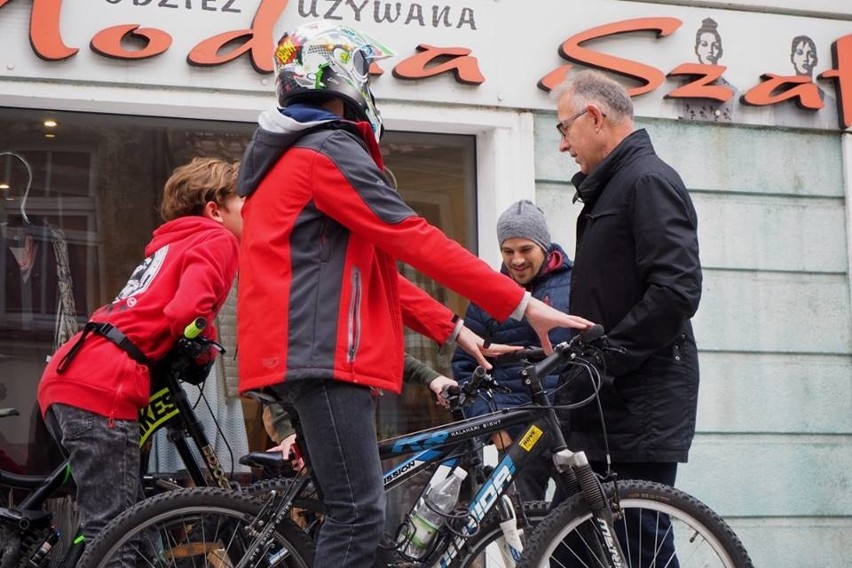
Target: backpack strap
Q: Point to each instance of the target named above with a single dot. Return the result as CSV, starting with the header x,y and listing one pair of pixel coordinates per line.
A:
x,y
113,334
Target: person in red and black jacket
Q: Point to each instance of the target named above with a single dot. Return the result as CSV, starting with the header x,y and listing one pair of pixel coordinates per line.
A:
x,y
321,304
96,383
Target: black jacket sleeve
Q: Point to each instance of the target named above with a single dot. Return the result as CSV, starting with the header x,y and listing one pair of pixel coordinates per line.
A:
x,y
664,226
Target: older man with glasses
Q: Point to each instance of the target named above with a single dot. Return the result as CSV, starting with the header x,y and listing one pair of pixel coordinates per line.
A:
x,y
637,272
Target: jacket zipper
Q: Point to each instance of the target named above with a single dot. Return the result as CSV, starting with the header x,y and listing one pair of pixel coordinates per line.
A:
x,y
355,316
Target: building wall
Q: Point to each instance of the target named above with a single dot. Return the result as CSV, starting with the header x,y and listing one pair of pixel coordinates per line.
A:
x,y
773,452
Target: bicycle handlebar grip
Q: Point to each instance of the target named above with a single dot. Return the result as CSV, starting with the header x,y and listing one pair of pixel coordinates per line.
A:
x,y
592,333
451,390
195,328
527,354
479,375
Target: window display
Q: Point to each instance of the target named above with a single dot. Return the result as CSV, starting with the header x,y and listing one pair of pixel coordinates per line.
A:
x,y
79,197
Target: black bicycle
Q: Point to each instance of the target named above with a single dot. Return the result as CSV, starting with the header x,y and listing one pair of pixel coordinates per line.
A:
x,y
207,525
499,542
29,536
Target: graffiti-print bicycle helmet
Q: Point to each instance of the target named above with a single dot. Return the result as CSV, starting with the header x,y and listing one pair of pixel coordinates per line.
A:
x,y
318,60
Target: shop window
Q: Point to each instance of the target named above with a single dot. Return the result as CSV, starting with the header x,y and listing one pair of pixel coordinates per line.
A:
x,y
436,175
79,198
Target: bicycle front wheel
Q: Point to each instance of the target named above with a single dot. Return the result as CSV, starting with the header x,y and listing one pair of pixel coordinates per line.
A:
x,y
486,549
688,533
204,526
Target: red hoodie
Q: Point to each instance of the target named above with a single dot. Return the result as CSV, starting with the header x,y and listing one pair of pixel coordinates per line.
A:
x,y
190,265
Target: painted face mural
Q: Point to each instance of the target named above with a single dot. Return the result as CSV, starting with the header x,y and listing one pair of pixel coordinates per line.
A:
x,y
803,55
708,42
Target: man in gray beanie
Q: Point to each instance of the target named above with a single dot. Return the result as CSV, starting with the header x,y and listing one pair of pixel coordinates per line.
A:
x,y
524,219
542,268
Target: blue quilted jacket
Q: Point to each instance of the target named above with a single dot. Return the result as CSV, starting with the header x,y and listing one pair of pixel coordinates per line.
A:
x,y
552,286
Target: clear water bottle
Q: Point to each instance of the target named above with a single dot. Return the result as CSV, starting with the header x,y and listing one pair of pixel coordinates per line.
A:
x,y
429,514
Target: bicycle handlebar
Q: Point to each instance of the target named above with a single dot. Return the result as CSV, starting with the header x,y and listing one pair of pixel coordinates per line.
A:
x,y
536,354
591,341
195,328
587,341
189,360
193,344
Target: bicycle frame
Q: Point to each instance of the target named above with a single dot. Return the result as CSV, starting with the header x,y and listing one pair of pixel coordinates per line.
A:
x,y
169,407
443,444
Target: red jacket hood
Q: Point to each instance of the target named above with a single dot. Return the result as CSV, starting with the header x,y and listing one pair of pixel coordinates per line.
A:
x,y
178,229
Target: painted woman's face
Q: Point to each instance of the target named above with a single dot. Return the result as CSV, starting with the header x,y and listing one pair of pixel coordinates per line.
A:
x,y
708,48
803,58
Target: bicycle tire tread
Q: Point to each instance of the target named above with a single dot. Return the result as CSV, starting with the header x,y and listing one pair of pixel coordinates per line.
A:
x,y
172,501
575,507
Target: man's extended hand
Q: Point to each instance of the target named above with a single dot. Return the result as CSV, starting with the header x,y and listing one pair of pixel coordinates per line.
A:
x,y
542,318
475,346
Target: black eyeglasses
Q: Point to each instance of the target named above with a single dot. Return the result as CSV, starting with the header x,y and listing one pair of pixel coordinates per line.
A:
x,y
564,127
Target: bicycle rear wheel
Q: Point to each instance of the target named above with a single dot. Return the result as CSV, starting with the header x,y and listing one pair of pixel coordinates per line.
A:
x,y
196,527
306,511
690,533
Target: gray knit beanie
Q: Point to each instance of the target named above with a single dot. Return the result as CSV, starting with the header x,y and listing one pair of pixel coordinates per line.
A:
x,y
524,220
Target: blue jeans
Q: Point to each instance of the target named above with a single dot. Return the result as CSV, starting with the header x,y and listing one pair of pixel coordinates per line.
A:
x,y
338,422
104,462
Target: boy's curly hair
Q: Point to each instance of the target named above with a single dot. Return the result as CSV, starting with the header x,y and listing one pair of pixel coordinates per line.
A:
x,y
192,185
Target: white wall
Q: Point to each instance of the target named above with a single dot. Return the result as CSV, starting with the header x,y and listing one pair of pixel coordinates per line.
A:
x,y
773,453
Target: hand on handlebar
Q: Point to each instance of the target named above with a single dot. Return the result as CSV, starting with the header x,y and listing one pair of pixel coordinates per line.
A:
x,y
475,346
542,318
195,351
439,386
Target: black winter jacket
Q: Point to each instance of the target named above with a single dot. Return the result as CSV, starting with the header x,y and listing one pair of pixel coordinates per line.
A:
x,y
637,272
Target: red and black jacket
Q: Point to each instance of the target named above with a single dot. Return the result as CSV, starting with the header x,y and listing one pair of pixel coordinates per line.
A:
x,y
319,295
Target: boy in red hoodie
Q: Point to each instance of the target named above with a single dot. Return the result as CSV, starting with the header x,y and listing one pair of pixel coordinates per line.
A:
x,y
96,383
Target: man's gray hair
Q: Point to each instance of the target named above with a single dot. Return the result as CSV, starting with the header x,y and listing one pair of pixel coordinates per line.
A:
x,y
594,87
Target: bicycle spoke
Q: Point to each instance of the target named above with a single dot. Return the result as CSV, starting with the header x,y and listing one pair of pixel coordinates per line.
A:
x,y
657,527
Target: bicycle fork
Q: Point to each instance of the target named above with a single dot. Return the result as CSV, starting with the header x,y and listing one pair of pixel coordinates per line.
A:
x,y
578,477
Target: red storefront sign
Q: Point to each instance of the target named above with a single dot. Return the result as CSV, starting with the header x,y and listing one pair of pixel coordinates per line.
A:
x,y
257,43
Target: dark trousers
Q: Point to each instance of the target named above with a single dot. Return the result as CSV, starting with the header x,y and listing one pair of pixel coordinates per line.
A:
x,y
650,526
104,459
338,422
